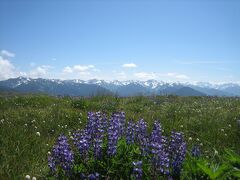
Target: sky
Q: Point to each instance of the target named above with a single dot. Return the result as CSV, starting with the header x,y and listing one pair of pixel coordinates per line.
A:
x,y
176,40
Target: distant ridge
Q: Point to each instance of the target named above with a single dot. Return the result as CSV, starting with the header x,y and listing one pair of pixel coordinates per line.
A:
x,y
187,91
77,87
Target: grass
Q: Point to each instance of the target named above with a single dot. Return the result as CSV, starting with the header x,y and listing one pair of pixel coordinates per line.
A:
x,y
207,121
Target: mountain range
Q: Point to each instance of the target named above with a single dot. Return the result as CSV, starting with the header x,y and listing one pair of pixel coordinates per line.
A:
x,y
93,87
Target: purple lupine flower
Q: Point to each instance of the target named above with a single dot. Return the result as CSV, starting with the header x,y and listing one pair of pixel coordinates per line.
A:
x,y
137,169
81,141
95,131
141,136
158,146
113,134
122,121
130,133
61,155
93,176
99,135
196,151
177,150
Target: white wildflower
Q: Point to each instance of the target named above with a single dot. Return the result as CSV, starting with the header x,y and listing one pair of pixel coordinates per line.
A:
x,y
38,133
27,177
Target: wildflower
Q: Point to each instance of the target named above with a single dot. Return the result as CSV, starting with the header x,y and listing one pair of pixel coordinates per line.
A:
x,y
130,132
197,139
137,169
181,126
141,135
27,177
82,141
38,133
201,144
95,132
222,130
99,134
34,178
93,176
113,134
61,155
196,151
2,120
230,125
158,148
177,150
190,138
225,134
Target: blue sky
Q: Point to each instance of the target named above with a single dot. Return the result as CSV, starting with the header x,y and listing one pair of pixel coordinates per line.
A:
x,y
164,40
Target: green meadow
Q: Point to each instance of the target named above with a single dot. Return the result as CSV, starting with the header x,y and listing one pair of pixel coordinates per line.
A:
x,y
30,125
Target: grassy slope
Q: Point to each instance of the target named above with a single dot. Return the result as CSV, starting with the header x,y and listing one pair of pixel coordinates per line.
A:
x,y
23,152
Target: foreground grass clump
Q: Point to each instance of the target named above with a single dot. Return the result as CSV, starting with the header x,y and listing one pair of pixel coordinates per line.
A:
x,y
30,125
110,149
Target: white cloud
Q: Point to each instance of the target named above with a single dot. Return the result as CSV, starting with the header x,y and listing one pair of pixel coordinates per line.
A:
x,y
6,53
130,65
80,71
80,68
182,76
7,70
40,71
170,74
160,76
175,75
67,69
145,75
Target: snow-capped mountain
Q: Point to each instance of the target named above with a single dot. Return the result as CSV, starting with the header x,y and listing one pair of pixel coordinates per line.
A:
x,y
77,87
